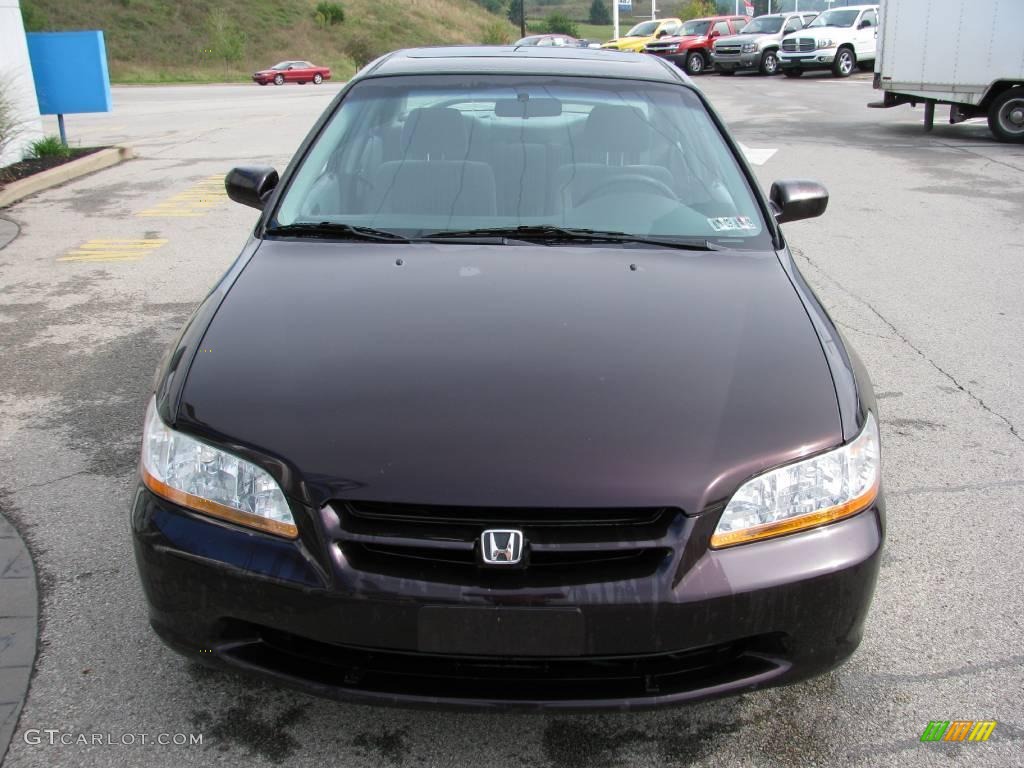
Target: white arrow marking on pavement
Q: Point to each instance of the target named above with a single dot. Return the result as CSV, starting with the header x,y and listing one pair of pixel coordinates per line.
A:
x,y
757,156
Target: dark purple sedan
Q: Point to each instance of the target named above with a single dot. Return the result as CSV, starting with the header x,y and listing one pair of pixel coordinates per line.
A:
x,y
515,397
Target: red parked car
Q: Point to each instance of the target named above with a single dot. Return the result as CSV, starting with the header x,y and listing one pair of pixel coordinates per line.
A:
x,y
292,72
691,48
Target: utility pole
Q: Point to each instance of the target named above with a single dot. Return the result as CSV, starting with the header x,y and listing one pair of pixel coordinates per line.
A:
x,y
654,9
615,19
522,18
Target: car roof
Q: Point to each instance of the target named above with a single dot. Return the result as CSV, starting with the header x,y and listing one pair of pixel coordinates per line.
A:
x,y
524,60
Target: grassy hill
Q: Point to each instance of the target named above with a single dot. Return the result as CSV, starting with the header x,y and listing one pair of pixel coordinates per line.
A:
x,y
210,40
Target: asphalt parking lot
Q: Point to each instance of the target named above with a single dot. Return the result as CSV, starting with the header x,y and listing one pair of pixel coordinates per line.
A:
x,y
920,259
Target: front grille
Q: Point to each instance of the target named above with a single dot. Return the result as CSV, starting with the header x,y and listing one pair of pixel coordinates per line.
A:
x,y
661,48
802,44
727,50
563,546
507,679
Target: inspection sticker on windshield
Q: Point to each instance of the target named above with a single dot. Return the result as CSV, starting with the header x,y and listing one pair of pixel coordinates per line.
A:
x,y
731,223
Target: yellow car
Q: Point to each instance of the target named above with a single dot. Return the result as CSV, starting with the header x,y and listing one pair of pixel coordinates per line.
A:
x,y
642,34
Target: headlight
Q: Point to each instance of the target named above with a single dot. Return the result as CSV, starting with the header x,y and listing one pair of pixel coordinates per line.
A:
x,y
750,47
206,479
805,494
826,44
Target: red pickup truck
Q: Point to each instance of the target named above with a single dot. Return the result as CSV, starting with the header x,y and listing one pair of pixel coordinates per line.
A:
x,y
691,48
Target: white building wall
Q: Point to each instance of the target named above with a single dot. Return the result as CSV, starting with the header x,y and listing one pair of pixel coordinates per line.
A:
x,y
16,72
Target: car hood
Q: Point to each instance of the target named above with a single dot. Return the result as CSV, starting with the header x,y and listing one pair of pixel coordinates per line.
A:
x,y
745,38
682,38
512,375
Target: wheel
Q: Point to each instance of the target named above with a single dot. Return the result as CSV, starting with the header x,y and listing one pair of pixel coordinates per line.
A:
x,y
1006,115
278,79
318,78
695,63
844,63
769,63
794,72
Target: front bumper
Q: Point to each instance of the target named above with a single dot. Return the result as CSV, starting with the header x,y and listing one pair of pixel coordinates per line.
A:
x,y
814,60
736,62
706,624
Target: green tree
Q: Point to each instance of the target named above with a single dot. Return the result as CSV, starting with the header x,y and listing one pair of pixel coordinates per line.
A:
x,y
695,9
515,11
559,24
599,13
227,40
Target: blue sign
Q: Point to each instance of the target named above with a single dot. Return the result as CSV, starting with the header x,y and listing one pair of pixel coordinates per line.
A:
x,y
70,70
625,5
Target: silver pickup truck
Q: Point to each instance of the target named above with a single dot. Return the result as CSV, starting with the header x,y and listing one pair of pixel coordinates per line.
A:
x,y
757,44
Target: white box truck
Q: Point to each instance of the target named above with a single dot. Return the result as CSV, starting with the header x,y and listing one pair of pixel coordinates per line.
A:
x,y
965,53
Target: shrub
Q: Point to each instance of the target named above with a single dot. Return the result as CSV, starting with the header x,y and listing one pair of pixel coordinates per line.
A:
x,y
498,33
363,47
599,13
329,14
10,126
50,146
559,24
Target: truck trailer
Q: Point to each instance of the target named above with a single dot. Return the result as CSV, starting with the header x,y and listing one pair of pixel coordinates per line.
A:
x,y
965,53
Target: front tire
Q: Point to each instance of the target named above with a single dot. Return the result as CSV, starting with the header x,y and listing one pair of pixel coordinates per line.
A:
x,y
1006,115
794,72
844,63
278,79
695,63
769,63
318,78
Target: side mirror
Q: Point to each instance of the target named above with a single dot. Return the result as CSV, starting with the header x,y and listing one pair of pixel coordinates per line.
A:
x,y
714,33
863,23
251,185
661,33
796,199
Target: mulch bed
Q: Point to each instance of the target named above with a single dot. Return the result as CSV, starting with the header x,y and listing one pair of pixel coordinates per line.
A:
x,y
25,168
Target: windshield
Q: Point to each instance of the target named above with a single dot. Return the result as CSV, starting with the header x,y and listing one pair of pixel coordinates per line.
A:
x,y
646,29
282,65
767,25
416,155
695,28
837,18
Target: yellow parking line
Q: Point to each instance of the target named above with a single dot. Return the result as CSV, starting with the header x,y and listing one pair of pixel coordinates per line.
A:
x,y
197,200
114,250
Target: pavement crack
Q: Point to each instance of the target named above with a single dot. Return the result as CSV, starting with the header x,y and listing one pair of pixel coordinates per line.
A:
x,y
49,481
903,337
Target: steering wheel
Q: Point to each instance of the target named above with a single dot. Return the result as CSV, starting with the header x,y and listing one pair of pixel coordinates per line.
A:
x,y
615,184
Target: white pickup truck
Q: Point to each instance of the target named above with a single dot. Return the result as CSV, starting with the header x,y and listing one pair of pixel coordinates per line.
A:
x,y
967,54
841,40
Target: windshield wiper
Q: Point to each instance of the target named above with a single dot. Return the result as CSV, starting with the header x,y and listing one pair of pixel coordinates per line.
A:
x,y
336,231
550,234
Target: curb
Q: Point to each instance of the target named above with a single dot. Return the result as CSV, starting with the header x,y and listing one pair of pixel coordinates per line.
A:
x,y
19,628
8,231
62,174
